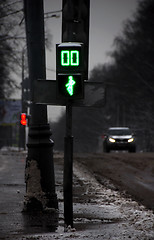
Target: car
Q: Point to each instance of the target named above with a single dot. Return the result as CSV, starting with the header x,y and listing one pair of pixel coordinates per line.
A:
x,y
119,138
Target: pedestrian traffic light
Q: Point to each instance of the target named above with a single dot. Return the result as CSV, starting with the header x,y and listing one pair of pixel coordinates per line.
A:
x,y
70,86
23,120
70,67
75,26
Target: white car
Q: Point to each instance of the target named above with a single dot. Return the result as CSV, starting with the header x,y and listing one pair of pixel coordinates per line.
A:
x,y
119,138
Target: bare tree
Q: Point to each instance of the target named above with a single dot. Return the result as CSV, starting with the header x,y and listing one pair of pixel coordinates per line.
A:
x,y
11,44
129,85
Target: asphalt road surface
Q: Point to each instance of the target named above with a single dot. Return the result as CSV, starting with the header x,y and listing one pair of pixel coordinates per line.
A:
x,y
131,173
99,212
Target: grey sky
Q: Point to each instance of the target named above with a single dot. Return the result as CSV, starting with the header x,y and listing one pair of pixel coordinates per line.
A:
x,y
106,23
106,18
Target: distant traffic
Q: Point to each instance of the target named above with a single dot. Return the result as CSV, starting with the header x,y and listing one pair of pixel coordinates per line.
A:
x,y
119,138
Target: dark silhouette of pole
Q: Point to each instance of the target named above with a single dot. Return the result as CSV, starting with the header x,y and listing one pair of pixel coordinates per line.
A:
x,y
22,130
75,28
68,169
40,180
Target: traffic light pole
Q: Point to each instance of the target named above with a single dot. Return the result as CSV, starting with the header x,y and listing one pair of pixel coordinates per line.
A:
x,y
68,168
75,28
22,134
40,181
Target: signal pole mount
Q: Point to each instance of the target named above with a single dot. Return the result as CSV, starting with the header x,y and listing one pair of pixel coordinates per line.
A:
x,y
72,70
70,86
68,169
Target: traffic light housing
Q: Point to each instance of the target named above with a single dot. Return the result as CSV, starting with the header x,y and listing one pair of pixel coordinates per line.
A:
x,y
23,119
75,26
69,70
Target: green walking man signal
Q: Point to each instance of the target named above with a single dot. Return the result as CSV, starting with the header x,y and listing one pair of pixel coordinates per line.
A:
x,y
70,70
70,85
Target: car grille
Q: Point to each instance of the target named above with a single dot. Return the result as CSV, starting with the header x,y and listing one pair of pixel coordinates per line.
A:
x,y
122,140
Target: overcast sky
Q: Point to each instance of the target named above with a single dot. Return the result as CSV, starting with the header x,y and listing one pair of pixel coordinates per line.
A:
x,y
106,18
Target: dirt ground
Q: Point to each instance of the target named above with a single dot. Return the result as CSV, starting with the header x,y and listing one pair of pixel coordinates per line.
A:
x,y
131,173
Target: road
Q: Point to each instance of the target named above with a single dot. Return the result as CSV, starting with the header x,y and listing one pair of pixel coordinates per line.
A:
x,y
131,173
99,211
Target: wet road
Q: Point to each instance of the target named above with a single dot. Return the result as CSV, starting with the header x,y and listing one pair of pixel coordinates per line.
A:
x,y
99,212
132,173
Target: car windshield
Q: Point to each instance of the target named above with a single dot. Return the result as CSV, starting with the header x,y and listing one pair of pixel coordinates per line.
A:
x,y
119,132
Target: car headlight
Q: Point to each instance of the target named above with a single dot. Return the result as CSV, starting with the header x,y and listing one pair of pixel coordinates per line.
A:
x,y
111,140
130,140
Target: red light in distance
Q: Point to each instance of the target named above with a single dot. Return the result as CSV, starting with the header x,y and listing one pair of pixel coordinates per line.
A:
x,y
23,120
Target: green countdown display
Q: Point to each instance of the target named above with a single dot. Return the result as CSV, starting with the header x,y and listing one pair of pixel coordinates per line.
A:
x,y
70,58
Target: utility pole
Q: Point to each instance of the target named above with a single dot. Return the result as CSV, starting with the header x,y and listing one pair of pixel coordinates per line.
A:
x,y
40,180
75,28
68,169
22,129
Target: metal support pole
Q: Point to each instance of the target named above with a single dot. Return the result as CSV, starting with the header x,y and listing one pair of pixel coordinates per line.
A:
x,y
22,140
68,169
40,180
